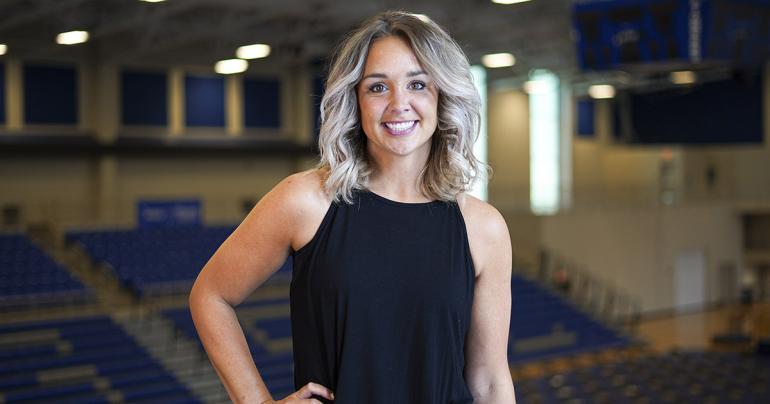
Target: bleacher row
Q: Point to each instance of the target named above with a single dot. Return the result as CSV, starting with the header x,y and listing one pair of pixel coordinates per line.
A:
x,y
676,377
83,360
544,325
156,261
27,274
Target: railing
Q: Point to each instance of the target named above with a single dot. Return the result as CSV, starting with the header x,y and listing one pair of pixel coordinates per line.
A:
x,y
601,300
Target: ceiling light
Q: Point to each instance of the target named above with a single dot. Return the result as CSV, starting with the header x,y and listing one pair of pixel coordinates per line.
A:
x,y
72,37
152,1
683,77
508,1
599,91
498,60
255,51
3,49
231,66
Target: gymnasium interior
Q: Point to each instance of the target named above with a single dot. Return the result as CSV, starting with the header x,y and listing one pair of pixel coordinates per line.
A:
x,y
630,148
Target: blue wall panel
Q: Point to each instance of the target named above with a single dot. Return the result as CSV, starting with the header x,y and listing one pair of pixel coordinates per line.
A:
x,y
50,95
165,213
261,103
719,112
2,93
585,118
204,98
737,30
144,98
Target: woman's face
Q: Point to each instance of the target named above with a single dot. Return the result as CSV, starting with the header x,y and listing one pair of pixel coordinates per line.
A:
x,y
398,101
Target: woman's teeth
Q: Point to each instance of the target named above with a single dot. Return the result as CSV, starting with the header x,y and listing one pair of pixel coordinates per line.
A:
x,y
400,126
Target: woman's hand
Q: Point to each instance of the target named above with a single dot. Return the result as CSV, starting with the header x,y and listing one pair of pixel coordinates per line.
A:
x,y
305,394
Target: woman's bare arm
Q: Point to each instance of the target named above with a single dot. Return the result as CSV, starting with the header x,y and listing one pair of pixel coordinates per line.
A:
x,y
486,371
253,252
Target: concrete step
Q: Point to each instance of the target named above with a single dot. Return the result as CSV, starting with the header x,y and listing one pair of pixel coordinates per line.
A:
x,y
177,354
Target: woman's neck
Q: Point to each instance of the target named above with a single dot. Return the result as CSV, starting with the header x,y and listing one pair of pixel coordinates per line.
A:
x,y
397,177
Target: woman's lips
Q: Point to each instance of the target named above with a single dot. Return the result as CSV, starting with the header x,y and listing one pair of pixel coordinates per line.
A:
x,y
402,128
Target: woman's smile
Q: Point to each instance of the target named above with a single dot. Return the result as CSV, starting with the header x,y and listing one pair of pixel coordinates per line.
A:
x,y
402,128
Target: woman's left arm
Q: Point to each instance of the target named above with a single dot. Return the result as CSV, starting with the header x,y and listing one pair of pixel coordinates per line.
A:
x,y
486,369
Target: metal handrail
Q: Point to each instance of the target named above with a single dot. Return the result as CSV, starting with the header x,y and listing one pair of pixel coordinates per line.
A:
x,y
600,299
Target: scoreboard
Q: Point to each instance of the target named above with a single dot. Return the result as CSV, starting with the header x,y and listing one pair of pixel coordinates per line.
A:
x,y
615,33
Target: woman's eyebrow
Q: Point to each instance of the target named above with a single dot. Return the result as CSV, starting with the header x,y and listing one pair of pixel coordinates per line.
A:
x,y
385,76
375,76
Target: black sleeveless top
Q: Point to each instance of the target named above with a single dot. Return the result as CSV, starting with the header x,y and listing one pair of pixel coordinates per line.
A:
x,y
381,303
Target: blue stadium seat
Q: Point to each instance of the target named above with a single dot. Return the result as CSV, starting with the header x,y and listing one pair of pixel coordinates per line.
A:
x,y
50,392
548,326
275,327
29,275
691,377
97,346
159,392
91,398
157,261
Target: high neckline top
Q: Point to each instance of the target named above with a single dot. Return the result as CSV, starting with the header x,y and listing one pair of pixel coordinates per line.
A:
x,y
381,302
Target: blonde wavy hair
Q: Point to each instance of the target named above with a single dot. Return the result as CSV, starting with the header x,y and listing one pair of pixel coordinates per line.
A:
x,y
451,167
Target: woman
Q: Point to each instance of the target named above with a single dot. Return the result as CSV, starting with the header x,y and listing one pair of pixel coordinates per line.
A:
x,y
401,283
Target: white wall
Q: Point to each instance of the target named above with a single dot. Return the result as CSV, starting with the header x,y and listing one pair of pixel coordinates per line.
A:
x,y
47,188
508,154
635,248
508,151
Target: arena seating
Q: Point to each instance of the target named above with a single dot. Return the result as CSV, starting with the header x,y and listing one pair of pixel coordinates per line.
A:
x,y
166,260
676,377
28,275
83,360
156,261
543,324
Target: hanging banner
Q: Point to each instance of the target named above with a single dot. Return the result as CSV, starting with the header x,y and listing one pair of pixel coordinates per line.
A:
x,y
163,213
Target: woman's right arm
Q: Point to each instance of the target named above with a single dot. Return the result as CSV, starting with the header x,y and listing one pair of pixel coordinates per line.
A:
x,y
253,252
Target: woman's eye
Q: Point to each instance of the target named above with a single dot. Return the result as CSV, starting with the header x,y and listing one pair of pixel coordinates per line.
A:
x,y
417,85
377,88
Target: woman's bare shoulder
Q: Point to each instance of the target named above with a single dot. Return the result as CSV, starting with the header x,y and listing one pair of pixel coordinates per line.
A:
x,y
303,189
479,212
486,227
303,197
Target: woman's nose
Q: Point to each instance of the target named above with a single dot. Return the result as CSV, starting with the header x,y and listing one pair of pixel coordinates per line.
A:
x,y
399,101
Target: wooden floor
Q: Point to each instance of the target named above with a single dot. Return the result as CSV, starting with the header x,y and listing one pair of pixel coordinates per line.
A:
x,y
695,330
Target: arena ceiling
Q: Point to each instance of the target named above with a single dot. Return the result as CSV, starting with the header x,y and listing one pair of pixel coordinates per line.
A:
x,y
200,32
